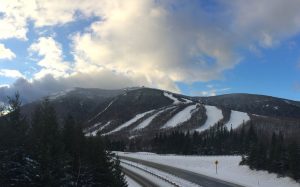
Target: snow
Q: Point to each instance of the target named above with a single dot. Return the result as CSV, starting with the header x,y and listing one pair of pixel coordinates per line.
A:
x,y
104,126
89,131
128,123
131,182
94,132
170,96
236,119
175,100
147,121
166,176
187,100
214,115
180,117
228,169
147,175
103,110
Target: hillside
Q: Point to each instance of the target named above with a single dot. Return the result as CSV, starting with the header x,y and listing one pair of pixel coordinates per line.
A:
x,y
133,112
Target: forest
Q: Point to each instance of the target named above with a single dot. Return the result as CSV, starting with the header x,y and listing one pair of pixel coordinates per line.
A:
x,y
39,152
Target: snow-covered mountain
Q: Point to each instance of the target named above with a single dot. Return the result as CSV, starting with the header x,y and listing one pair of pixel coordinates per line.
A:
x,y
142,111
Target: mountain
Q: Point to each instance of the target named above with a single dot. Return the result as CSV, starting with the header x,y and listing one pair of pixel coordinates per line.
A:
x,y
256,104
135,112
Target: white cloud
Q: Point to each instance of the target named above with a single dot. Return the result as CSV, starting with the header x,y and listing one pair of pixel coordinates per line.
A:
x,y
150,42
265,21
51,55
11,73
6,53
36,88
148,39
211,92
4,85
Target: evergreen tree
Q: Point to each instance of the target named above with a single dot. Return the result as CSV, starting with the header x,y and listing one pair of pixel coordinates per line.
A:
x,y
16,167
48,148
294,160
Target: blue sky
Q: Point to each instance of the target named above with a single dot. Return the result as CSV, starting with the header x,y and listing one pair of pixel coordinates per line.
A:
x,y
194,47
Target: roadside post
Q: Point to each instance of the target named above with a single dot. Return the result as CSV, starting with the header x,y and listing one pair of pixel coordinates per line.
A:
x,y
216,163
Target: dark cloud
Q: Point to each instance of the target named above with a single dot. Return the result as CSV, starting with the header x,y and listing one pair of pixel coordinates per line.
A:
x,y
48,85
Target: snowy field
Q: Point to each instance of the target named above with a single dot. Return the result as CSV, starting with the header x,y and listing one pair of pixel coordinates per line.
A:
x,y
228,169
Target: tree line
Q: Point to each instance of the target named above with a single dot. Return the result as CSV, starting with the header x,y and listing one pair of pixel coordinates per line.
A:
x,y
42,153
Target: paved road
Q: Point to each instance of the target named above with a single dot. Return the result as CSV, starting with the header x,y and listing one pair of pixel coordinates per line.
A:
x,y
193,177
138,178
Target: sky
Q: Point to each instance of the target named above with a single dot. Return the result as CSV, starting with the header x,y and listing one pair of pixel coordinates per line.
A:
x,y
193,47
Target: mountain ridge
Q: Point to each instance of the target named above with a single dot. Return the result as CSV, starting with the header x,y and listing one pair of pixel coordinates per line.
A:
x,y
106,111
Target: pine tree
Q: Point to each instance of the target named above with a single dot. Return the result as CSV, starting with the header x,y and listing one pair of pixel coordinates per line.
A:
x,y
48,148
294,160
16,167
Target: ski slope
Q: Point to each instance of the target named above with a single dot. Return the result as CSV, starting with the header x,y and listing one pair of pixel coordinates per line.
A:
x,y
214,115
103,110
236,119
94,132
228,169
170,96
187,100
147,121
128,123
180,117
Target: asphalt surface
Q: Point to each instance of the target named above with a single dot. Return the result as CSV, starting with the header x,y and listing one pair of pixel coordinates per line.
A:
x,y
193,177
139,178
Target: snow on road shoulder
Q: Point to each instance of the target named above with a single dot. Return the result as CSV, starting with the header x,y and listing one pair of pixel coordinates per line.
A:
x,y
214,115
128,123
147,175
228,169
131,182
180,117
170,96
166,176
236,119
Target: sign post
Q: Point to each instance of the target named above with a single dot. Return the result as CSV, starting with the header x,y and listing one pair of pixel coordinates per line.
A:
x,y
216,163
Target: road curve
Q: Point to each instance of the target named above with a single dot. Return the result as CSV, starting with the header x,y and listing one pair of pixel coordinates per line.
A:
x,y
193,177
138,178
